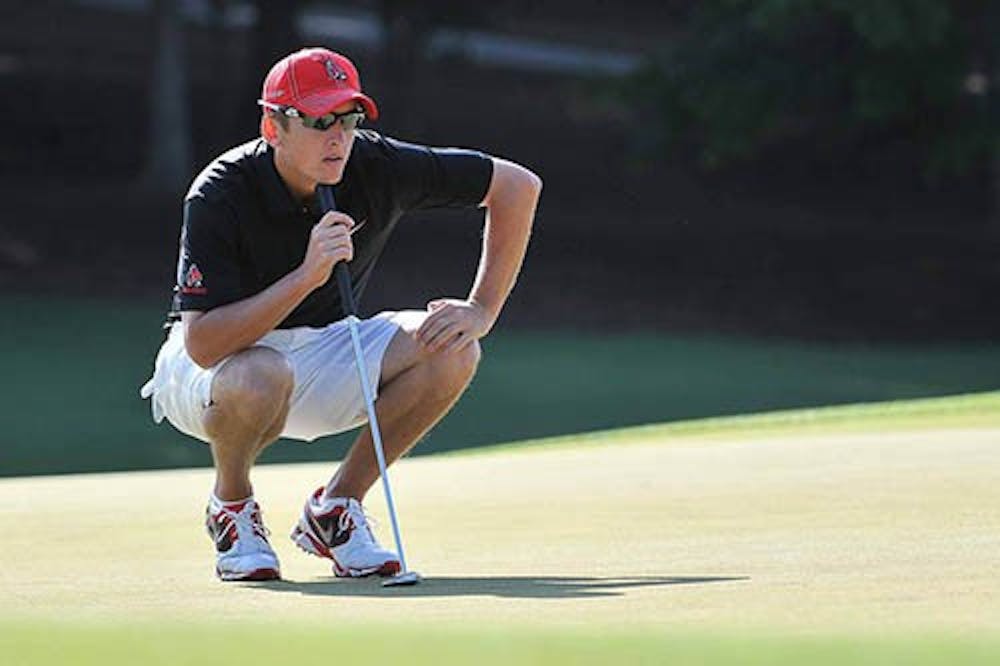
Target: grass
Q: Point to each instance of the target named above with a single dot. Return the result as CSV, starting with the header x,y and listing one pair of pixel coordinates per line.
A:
x,y
977,410
259,643
860,534
74,368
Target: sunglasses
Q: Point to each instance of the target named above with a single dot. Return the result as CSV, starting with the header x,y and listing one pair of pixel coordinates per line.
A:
x,y
349,120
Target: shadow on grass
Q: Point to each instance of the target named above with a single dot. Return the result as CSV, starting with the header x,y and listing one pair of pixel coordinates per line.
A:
x,y
516,587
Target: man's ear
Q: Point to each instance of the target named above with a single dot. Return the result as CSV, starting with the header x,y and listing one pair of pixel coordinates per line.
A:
x,y
269,129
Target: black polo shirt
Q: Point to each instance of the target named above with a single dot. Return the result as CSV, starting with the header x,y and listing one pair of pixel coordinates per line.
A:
x,y
243,231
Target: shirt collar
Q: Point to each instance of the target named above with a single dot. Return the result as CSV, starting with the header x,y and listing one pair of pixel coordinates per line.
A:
x,y
278,199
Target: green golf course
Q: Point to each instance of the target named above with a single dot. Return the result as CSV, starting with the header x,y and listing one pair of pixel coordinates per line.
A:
x,y
732,267
860,534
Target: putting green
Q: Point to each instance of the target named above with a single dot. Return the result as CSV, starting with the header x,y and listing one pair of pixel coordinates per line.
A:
x,y
863,535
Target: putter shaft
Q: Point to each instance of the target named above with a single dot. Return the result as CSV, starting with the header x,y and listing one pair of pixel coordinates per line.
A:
x,y
343,277
352,322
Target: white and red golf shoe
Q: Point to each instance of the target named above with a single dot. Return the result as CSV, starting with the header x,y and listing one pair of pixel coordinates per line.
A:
x,y
337,528
241,546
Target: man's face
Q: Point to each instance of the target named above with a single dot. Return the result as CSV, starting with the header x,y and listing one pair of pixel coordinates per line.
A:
x,y
307,156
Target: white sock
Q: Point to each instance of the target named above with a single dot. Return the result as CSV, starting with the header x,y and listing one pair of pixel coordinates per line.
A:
x,y
213,498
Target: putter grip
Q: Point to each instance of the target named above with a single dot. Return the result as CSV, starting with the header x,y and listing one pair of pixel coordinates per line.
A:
x,y
343,275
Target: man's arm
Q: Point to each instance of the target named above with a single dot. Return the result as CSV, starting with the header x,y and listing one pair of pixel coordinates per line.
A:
x,y
213,335
510,203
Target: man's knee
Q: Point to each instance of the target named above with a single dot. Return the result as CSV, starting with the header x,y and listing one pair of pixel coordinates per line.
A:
x,y
458,365
253,387
469,357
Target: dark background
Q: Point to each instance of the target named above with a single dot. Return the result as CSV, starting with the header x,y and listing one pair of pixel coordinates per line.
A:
x,y
797,173
633,231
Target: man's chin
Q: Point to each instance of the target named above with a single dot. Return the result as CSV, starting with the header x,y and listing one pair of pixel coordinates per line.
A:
x,y
331,174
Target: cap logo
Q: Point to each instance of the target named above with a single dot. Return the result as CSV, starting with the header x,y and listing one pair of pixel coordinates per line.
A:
x,y
335,73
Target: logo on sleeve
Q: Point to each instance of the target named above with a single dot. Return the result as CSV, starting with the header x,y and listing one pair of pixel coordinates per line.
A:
x,y
193,280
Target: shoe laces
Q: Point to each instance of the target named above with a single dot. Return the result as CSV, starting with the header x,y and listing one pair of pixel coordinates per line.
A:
x,y
249,524
362,522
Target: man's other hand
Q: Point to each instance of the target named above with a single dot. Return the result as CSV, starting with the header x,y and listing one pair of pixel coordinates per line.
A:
x,y
453,324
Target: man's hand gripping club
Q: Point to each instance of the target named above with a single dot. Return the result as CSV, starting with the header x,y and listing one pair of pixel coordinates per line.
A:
x,y
329,243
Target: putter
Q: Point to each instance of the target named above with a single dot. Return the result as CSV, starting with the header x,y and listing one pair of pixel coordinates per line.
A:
x,y
405,576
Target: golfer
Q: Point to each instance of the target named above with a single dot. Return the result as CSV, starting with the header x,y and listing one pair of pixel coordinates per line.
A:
x,y
258,347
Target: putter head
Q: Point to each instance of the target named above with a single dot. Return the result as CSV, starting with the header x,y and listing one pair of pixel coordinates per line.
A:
x,y
404,578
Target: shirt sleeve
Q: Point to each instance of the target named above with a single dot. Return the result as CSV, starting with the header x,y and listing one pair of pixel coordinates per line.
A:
x,y
208,266
426,177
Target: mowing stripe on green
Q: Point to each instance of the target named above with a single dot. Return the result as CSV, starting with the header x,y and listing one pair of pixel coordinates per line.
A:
x,y
969,410
529,385
37,644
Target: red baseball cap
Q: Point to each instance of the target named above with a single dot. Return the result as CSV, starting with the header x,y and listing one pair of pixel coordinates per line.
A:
x,y
315,81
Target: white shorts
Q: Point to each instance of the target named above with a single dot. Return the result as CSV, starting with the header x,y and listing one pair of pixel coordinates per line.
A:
x,y
327,398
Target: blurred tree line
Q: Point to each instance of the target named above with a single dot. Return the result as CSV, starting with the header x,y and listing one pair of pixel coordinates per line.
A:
x,y
908,86
837,83
407,26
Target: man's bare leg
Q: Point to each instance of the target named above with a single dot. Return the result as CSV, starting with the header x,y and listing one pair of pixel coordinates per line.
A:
x,y
417,389
250,402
